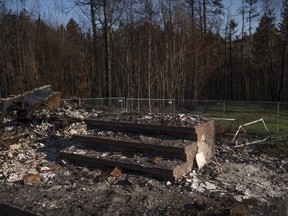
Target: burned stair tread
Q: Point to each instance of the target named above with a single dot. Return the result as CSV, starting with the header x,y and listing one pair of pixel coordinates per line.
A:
x,y
143,138
146,159
158,129
164,168
137,141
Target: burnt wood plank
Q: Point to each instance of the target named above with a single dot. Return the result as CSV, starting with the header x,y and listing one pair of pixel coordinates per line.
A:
x,y
179,132
157,172
179,152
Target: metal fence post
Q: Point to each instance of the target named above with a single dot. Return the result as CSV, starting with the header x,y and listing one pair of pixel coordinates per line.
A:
x,y
171,104
174,106
127,105
223,108
278,116
122,103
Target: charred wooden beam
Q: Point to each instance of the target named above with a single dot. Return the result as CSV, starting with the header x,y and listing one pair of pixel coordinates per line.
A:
x,y
180,152
27,103
6,102
165,173
180,132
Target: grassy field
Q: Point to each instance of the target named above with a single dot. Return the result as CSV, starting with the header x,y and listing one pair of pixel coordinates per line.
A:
x,y
244,112
275,118
274,115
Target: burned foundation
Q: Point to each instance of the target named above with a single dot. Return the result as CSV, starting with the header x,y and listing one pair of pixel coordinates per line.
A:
x,y
166,158
34,180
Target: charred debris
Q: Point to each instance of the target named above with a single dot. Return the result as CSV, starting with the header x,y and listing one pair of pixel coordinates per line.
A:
x,y
96,163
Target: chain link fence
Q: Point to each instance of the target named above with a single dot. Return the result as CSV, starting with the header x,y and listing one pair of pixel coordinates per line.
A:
x,y
150,105
115,104
275,114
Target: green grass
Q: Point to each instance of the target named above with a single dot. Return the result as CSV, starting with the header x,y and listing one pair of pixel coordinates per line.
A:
x,y
244,113
248,112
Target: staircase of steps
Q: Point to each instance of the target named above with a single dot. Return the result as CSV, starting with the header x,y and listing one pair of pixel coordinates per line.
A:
x,y
167,159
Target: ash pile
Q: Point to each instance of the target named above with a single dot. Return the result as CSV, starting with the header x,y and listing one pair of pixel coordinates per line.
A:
x,y
36,180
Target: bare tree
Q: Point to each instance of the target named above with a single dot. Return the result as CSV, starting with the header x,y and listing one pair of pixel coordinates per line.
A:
x,y
232,30
251,7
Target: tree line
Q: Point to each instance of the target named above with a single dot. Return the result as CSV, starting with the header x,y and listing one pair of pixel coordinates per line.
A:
x,y
184,49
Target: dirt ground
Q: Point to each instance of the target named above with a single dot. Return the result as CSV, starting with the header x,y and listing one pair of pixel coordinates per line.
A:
x,y
238,181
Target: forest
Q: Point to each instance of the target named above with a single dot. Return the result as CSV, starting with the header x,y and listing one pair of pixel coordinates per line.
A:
x,y
181,49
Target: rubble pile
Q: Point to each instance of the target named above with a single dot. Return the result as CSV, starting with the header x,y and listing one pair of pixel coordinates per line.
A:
x,y
243,174
25,155
23,106
237,181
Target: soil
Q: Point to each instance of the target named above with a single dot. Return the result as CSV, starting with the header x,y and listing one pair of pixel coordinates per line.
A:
x,y
238,181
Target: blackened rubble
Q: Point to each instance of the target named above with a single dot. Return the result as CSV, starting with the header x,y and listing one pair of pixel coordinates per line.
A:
x,y
23,106
239,181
